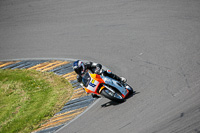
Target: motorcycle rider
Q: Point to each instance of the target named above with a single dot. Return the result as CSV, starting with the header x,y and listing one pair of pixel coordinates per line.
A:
x,y
81,68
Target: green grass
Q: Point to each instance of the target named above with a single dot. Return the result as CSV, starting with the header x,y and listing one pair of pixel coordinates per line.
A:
x,y
29,97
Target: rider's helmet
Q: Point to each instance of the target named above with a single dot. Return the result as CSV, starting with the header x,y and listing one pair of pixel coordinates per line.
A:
x,y
79,67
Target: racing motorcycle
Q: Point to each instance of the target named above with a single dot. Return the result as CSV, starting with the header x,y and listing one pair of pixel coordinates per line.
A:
x,y
106,87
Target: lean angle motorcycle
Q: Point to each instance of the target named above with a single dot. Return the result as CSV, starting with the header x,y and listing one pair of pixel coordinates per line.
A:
x,y
106,86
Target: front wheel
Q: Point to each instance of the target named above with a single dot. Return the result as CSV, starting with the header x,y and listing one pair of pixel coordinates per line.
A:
x,y
117,97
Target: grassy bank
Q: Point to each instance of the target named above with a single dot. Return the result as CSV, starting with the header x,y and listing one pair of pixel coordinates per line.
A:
x,y
28,98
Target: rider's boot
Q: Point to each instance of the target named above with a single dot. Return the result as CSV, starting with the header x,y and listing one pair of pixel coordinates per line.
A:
x,y
113,76
121,79
124,80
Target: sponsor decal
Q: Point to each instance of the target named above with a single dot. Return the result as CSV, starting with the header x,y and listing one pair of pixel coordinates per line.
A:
x,y
93,81
91,84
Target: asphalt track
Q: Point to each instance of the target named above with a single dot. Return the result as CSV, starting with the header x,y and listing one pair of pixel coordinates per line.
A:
x,y
155,44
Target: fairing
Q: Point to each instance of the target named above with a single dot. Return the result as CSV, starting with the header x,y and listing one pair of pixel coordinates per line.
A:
x,y
92,82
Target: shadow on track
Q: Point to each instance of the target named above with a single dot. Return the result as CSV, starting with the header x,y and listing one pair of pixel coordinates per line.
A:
x,y
112,103
130,95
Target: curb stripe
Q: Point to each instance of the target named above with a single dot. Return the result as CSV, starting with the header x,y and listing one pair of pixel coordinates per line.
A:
x,y
69,112
38,66
79,100
54,66
47,65
64,69
59,120
8,63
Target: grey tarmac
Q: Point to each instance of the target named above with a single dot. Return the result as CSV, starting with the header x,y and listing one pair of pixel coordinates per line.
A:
x,y
155,44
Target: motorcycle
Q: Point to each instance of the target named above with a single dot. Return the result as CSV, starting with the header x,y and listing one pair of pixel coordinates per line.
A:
x,y
106,87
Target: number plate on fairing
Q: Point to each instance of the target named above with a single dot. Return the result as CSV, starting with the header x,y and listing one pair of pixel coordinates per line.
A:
x,y
92,85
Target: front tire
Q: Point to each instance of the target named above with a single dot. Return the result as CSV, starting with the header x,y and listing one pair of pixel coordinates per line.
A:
x,y
117,97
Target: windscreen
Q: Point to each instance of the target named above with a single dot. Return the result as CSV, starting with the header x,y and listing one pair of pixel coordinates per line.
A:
x,y
86,79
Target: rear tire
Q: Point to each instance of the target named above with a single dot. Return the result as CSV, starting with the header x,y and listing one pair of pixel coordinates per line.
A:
x,y
117,97
130,89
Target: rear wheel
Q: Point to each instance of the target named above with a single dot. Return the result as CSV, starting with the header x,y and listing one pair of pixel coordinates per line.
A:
x,y
117,97
129,88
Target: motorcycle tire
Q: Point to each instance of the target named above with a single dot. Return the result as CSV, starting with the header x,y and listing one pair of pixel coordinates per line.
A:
x,y
130,89
117,97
